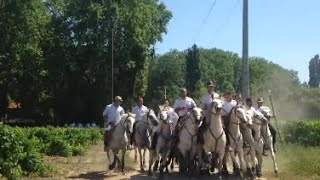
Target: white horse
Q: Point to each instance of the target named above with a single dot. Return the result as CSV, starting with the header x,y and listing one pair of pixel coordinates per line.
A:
x,y
120,140
249,144
258,121
237,116
188,140
164,139
268,139
214,136
143,135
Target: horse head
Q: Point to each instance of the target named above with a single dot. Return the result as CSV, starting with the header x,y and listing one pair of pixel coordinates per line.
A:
x,y
151,116
128,121
260,117
163,116
216,106
195,115
240,113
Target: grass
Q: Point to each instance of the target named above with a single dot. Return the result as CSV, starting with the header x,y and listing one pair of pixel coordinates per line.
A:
x,y
294,162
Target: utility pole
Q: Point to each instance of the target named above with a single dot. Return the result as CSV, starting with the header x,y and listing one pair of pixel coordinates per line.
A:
x,y
245,90
112,67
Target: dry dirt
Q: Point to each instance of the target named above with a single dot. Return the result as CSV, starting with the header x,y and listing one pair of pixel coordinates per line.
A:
x,y
93,165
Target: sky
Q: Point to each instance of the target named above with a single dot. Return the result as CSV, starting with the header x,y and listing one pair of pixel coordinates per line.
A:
x,y
286,32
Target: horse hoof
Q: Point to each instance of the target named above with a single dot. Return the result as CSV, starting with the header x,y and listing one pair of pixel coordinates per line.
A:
x,y
237,172
124,173
111,167
220,177
142,170
276,172
225,172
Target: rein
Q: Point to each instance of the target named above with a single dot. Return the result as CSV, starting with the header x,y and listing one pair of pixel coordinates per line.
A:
x,y
216,138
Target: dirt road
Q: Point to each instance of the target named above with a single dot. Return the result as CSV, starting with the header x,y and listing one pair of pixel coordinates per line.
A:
x,y
94,165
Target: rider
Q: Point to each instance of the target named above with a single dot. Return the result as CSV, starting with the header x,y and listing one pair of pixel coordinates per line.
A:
x,y
227,107
181,107
112,114
263,109
205,101
138,110
172,115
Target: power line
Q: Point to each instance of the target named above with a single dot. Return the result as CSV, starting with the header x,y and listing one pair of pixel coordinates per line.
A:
x,y
227,19
204,20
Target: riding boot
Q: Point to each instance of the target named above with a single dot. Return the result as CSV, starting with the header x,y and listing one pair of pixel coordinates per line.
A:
x,y
154,141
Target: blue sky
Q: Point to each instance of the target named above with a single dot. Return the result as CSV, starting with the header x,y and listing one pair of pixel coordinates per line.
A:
x,y
286,32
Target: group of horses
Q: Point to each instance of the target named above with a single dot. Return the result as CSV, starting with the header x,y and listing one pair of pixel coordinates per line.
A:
x,y
248,133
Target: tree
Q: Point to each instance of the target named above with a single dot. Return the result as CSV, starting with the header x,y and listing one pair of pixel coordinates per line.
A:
x,y
192,69
22,36
314,71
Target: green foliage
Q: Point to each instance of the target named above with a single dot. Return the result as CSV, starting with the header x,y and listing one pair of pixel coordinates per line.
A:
x,y
305,133
314,72
22,149
192,70
53,52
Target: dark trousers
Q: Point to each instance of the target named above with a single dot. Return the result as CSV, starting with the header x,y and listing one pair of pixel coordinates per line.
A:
x,y
202,128
108,136
133,133
273,133
226,121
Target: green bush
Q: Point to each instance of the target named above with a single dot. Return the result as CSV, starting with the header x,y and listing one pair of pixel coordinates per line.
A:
x,y
302,132
22,149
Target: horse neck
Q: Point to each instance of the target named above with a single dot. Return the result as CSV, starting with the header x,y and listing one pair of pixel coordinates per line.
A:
x,y
192,127
215,123
234,127
247,136
265,129
257,130
165,129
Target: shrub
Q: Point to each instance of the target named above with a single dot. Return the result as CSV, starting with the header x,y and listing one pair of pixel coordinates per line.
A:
x,y
303,132
22,149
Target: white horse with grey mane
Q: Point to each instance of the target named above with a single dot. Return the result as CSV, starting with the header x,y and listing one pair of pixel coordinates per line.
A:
x,y
237,116
143,135
188,139
166,117
214,136
120,140
258,121
268,140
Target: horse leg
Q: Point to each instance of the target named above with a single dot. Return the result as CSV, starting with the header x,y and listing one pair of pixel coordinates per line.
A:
x,y
123,160
236,167
140,157
115,159
220,164
135,155
241,158
151,159
276,171
108,155
144,157
253,162
225,161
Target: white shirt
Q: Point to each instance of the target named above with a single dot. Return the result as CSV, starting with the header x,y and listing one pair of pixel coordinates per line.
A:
x,y
207,99
264,109
140,111
250,110
113,113
227,107
172,117
186,103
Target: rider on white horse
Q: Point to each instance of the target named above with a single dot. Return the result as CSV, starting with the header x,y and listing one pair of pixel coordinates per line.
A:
x,y
173,116
205,101
112,114
227,106
138,110
266,112
181,107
